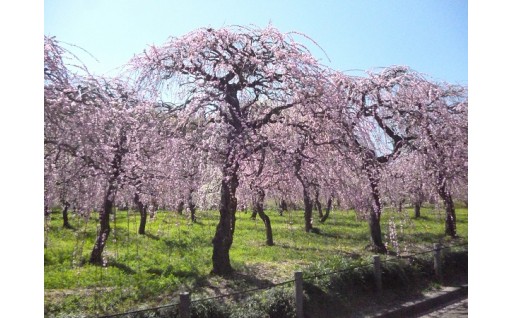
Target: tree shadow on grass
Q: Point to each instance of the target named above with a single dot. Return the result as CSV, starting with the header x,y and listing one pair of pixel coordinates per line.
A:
x,y
181,273
69,227
421,217
302,248
358,236
198,222
152,236
123,267
425,237
251,280
173,244
238,284
333,249
355,224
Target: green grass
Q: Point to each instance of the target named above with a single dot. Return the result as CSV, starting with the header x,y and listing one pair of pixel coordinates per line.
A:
x,y
175,255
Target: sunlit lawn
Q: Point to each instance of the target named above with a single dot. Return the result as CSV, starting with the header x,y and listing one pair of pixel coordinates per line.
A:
x,y
175,255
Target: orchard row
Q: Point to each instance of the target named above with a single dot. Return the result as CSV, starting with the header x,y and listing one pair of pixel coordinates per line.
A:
x,y
231,117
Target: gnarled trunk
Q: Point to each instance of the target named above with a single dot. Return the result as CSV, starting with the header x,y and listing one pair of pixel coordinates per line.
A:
x,y
282,207
400,205
101,238
450,221
180,207
308,202
257,205
417,209
191,206
226,227
375,212
65,216
268,228
375,232
327,210
143,210
318,205
308,211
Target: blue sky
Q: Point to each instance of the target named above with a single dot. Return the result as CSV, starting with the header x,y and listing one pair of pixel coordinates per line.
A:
x,y
429,36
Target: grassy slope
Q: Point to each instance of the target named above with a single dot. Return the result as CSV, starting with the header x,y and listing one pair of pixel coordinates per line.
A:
x,y
176,255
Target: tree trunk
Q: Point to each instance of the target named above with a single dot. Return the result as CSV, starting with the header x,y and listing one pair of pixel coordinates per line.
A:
x,y
444,193
308,211
450,219
268,228
258,200
180,207
191,207
400,205
226,227
375,212
327,210
101,238
65,216
376,233
417,209
282,207
143,210
318,205
308,203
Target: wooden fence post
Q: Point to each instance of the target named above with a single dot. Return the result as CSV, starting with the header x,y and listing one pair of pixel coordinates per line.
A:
x,y
377,273
437,261
185,305
299,297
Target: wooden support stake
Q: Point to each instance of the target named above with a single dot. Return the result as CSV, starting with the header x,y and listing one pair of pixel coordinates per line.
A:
x,y
437,261
185,305
299,296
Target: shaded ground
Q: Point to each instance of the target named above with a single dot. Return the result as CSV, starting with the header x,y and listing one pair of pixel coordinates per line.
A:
x,y
458,309
404,298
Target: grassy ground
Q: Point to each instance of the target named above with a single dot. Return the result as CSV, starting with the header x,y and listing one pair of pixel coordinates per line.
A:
x,y
175,255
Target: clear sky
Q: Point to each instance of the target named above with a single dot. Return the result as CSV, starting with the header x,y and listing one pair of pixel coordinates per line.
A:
x,y
431,36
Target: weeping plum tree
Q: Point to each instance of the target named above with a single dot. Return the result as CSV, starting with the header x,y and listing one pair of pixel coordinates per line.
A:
x,y
407,179
449,153
98,123
63,173
235,81
308,182
442,129
400,111
431,119
373,118
186,177
146,162
305,154
97,134
253,171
